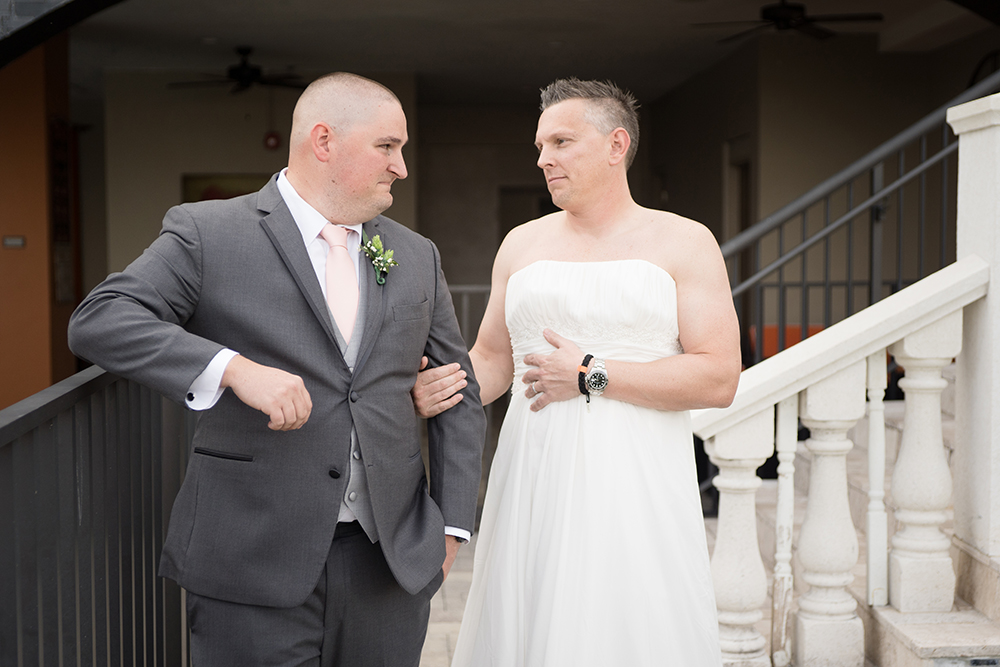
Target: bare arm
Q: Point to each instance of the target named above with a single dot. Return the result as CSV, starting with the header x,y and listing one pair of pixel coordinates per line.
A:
x,y
704,376
492,358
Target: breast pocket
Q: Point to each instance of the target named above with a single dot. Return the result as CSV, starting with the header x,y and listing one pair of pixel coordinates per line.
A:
x,y
405,312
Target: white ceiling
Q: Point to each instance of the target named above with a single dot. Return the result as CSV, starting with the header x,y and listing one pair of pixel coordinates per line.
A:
x,y
467,50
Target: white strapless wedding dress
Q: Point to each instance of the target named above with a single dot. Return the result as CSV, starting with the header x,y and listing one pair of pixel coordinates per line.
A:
x,y
591,550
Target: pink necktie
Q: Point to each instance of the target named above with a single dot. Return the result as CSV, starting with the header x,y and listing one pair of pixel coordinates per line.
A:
x,y
341,280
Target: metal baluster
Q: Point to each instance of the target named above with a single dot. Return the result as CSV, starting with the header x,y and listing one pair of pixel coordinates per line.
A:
x,y
921,212
849,301
782,314
875,234
899,221
827,287
804,296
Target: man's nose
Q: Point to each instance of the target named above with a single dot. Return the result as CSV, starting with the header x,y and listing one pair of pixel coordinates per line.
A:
x,y
543,159
398,167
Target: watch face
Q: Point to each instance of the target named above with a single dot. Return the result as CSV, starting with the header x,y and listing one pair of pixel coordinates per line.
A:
x,y
597,381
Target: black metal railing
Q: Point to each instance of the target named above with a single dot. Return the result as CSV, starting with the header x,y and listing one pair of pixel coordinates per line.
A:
x,y
88,471
875,227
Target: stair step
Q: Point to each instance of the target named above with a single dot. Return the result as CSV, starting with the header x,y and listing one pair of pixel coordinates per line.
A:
x,y
929,640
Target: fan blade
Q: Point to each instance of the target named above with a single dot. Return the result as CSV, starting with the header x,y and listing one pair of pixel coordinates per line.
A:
x,y
746,33
845,18
198,84
719,24
807,28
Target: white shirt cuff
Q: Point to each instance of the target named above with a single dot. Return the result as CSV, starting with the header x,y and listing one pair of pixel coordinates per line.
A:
x,y
205,390
460,533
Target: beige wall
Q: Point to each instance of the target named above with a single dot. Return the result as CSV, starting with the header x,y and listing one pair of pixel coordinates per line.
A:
x,y
690,130
468,157
799,110
824,104
155,134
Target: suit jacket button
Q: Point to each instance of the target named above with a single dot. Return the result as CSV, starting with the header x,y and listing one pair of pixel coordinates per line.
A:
x,y
354,397
334,473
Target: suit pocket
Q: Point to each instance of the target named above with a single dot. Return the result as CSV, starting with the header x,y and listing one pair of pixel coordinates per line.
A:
x,y
230,456
414,311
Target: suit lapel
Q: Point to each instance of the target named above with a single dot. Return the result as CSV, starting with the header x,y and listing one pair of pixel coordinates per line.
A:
x,y
373,299
280,227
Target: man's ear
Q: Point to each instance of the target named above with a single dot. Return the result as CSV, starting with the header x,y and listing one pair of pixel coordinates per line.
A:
x,y
321,140
620,141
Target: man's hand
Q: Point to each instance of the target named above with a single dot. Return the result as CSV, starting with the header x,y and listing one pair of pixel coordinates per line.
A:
x,y
280,395
451,545
556,376
437,389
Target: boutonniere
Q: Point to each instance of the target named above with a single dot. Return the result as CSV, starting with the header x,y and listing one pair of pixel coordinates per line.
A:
x,y
381,258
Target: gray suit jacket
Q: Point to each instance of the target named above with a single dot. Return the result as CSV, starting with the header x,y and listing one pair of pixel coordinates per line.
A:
x,y
256,514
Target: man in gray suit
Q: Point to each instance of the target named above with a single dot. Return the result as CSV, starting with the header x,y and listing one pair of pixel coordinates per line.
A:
x,y
308,536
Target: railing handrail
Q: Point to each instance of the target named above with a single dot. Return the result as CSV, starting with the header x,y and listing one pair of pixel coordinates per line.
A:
x,y
39,408
843,220
937,117
849,341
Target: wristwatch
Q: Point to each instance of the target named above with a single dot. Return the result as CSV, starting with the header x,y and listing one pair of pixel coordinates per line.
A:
x,y
597,378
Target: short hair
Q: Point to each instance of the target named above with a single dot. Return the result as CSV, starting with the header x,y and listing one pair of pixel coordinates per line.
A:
x,y
608,107
340,98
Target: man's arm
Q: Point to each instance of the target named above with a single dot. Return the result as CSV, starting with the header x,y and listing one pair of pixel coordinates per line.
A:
x,y
455,437
132,324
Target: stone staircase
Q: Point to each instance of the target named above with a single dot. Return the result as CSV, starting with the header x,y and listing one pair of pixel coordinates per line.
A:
x,y
969,634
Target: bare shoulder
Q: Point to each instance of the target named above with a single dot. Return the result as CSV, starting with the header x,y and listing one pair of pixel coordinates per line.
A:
x,y
682,243
523,245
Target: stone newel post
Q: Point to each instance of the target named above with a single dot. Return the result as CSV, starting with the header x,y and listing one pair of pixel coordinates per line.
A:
x,y
975,464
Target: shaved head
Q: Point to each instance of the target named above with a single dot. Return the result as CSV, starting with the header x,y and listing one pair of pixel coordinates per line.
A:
x,y
340,100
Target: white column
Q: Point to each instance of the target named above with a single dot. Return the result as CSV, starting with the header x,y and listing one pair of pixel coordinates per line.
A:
x,y
921,575
876,519
828,631
977,388
737,569
785,442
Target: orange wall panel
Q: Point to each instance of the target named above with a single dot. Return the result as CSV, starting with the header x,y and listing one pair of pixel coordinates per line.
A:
x,y
25,274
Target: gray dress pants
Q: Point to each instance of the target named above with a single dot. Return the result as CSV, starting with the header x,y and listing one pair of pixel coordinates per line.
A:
x,y
357,616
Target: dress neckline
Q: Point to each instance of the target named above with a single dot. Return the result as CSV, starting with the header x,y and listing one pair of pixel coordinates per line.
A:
x,y
645,262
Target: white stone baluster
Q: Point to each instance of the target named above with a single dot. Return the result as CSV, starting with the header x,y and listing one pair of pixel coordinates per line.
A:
x,y
876,520
737,569
921,576
828,631
786,441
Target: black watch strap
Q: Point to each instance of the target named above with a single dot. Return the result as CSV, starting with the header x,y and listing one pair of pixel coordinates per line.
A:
x,y
583,376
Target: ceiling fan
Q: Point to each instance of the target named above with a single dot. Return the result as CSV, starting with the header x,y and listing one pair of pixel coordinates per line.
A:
x,y
243,75
792,16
